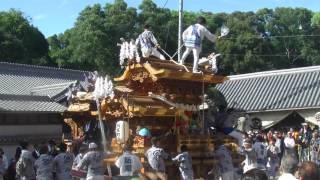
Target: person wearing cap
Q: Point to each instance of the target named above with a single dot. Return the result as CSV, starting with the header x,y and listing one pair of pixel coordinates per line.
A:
x,y
62,163
156,156
192,38
128,163
93,160
44,164
148,44
250,161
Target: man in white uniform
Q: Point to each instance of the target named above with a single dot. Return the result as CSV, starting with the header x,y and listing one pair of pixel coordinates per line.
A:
x,y
289,144
185,163
44,164
25,164
261,152
250,161
156,157
148,44
225,163
94,161
192,38
128,163
62,163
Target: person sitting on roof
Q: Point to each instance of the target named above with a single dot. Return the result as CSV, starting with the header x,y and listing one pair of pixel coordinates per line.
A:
x,y
192,38
149,44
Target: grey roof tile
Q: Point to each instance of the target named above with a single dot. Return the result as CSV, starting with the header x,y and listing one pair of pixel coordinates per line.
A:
x,y
274,90
28,87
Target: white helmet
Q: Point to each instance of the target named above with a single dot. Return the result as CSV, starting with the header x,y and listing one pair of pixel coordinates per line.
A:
x,y
93,145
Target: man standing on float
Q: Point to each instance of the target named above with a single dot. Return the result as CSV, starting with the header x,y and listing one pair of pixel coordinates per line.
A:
x,y
149,44
192,38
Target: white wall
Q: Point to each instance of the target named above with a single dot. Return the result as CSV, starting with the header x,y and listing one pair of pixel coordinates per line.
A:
x,y
27,131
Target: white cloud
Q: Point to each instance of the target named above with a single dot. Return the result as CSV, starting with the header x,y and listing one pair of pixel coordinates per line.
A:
x,y
39,17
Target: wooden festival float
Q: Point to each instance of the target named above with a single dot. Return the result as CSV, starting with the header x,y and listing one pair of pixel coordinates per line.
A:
x,y
165,98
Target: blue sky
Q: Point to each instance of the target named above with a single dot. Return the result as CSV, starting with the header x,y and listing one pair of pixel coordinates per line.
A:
x,y
55,16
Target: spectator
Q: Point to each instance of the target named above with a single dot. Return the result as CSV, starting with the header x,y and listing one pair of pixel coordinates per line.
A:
x,y
288,168
315,148
4,159
272,158
2,167
254,174
305,137
289,145
309,171
11,172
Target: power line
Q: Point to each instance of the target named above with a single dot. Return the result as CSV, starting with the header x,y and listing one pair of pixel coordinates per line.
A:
x,y
261,55
165,4
279,36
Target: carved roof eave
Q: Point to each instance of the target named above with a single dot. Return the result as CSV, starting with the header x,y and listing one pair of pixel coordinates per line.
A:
x,y
176,73
137,107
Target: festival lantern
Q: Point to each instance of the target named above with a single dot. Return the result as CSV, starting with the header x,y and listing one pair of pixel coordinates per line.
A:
x,y
122,131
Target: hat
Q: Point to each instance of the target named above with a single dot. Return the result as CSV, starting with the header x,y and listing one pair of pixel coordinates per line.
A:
x,y
144,132
93,145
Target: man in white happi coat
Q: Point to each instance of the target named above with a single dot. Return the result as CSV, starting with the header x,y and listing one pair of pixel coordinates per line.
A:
x,y
250,161
93,160
261,152
62,163
44,164
148,44
128,163
185,163
192,38
225,164
289,146
156,156
25,164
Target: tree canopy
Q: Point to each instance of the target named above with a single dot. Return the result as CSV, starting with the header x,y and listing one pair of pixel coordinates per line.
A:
x,y
20,41
264,40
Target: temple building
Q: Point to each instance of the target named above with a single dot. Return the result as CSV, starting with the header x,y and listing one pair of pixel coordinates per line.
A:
x,y
32,100
277,99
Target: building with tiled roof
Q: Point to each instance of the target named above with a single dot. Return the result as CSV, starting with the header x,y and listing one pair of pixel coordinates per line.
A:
x,y
273,96
32,100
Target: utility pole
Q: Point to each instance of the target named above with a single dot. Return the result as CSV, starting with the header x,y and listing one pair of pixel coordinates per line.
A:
x,y
180,29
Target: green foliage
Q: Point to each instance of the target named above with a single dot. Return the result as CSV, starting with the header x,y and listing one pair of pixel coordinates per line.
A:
x,y
265,40
316,19
21,42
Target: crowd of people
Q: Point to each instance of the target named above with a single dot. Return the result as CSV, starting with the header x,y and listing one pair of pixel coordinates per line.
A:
x,y
267,155
51,162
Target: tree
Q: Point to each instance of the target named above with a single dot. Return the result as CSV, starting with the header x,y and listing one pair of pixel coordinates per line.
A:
x,y
316,19
21,42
